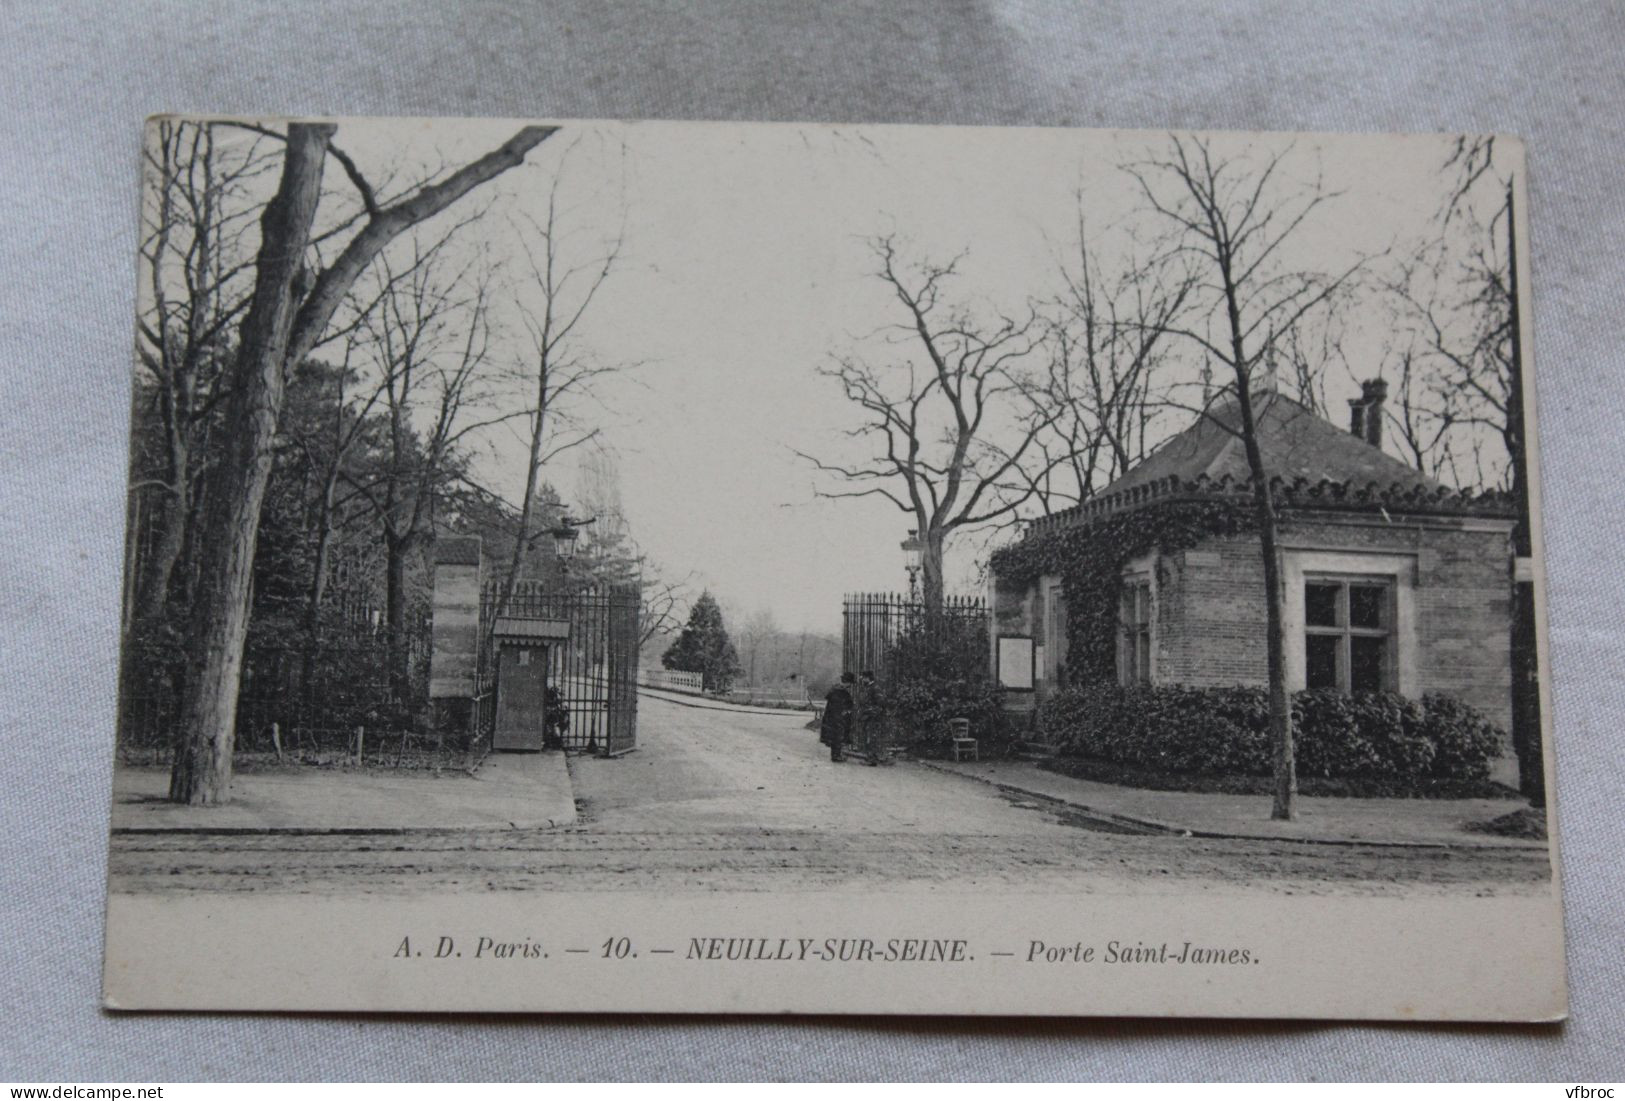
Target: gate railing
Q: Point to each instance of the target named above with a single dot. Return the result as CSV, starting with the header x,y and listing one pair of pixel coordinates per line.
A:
x,y
896,637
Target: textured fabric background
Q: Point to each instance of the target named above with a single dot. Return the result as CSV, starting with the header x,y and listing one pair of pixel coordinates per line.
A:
x,y
76,79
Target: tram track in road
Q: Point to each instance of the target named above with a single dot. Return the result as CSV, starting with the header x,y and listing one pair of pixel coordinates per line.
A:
x,y
761,860
724,801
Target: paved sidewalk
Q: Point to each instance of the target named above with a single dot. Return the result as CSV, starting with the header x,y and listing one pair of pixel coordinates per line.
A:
x,y
510,790
1431,822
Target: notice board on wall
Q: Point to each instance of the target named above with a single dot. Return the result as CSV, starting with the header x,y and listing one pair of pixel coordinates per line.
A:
x,y
1016,662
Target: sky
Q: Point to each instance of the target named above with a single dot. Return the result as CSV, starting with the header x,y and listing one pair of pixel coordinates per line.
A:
x,y
745,267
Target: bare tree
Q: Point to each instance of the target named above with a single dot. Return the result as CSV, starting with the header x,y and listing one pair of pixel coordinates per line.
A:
x,y
1107,342
664,606
610,555
1491,371
560,369
1308,353
369,331
1459,385
292,303
328,449
1454,299
328,443
428,331
760,629
1425,419
197,274
933,415
1227,221
1469,320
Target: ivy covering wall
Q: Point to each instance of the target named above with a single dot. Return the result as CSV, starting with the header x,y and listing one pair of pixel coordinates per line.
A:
x,y
1089,559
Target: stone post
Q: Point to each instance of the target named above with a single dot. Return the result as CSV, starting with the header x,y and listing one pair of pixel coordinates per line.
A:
x,y
454,631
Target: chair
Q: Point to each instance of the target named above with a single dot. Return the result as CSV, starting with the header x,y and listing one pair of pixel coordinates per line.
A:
x,y
959,732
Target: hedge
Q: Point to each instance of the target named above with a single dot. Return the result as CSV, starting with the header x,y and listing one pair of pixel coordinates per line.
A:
x,y
1375,735
919,709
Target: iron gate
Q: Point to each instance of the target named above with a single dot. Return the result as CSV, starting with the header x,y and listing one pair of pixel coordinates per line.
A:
x,y
896,637
594,668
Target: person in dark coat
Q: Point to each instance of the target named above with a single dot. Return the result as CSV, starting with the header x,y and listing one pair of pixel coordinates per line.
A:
x,y
835,730
555,719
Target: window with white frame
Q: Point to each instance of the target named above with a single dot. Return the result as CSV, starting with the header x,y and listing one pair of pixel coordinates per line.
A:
x,y
1134,631
1348,633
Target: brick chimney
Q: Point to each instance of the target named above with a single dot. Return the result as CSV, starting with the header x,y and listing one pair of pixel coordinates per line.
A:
x,y
1365,411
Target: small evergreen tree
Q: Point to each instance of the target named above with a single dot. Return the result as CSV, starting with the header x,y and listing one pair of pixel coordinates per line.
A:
x,y
704,646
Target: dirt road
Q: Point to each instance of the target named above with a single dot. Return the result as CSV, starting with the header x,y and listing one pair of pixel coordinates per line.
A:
x,y
718,800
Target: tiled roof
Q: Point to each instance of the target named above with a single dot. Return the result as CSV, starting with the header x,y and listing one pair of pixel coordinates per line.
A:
x,y
1295,442
1312,464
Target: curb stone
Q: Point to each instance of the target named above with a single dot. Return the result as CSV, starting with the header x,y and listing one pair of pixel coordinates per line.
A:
x,y
333,831
1157,826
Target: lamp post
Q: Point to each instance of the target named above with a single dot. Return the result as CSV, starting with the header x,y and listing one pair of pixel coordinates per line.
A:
x,y
913,555
565,534
564,539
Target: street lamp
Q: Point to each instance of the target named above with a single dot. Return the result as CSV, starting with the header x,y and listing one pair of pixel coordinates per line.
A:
x,y
564,538
913,556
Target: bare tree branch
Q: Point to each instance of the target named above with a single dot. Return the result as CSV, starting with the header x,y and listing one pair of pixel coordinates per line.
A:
x,y
930,415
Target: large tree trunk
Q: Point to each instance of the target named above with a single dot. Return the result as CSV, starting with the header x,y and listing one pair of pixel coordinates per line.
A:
x,y
931,572
166,552
283,323
1281,733
219,612
1526,723
1286,770
175,516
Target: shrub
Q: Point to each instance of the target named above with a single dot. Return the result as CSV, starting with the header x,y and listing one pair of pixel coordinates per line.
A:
x,y
919,709
1373,734
1179,729
1464,742
1174,728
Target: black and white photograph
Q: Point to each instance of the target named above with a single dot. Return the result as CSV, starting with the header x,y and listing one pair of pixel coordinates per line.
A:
x,y
675,567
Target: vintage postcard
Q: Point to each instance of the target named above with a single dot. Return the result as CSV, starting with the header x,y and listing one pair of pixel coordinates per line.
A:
x,y
684,567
